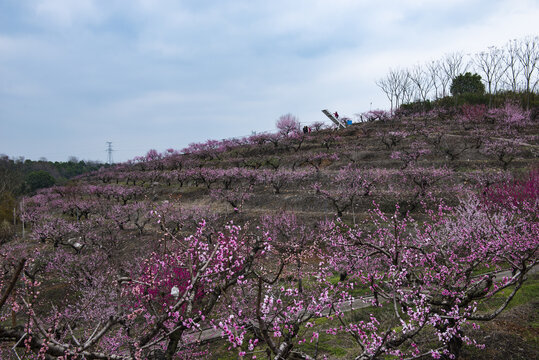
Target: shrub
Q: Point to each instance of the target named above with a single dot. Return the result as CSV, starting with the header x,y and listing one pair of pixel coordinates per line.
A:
x,y
39,179
467,84
415,107
6,232
471,98
7,203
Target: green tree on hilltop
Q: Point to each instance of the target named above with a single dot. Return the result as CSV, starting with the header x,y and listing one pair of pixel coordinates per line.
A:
x,y
467,84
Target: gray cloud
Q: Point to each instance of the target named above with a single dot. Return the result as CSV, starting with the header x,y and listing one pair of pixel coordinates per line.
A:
x,y
158,74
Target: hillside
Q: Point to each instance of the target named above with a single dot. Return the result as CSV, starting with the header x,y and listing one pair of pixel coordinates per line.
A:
x,y
399,160
142,253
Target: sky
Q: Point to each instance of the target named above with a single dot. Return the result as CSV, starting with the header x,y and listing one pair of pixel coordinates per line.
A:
x,y
159,74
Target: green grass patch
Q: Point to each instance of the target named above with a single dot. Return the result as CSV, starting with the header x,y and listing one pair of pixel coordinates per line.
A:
x,y
528,292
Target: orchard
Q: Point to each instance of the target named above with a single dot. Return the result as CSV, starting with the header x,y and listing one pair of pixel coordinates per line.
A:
x,y
396,237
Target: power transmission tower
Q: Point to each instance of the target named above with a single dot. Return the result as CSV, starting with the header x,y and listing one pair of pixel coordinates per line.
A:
x,y
109,150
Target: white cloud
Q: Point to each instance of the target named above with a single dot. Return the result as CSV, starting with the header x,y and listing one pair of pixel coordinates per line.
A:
x,y
19,46
68,12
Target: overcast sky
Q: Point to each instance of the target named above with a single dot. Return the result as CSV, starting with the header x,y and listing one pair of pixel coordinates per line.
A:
x,y
161,73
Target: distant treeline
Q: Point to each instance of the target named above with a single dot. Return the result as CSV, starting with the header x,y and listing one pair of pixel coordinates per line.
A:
x,y
20,177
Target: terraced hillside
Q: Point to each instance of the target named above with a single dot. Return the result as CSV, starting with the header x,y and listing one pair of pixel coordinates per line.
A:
x,y
264,239
316,175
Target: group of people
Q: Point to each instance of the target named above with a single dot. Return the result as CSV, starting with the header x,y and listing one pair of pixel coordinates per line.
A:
x,y
307,129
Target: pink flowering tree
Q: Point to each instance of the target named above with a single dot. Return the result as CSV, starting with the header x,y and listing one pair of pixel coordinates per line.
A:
x,y
275,303
374,115
275,139
503,150
483,179
392,138
318,160
13,267
177,219
511,115
122,310
231,177
513,192
347,186
211,149
180,288
411,154
288,124
419,184
279,179
318,125
424,273
236,196
452,148
330,141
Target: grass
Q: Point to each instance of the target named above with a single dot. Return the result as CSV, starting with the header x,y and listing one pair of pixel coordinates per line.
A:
x,y
527,293
514,334
344,347
328,344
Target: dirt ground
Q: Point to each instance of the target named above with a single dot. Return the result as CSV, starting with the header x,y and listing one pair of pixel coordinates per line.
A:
x,y
514,334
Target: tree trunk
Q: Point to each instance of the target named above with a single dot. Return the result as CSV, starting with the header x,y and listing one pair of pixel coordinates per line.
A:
x,y
454,346
172,345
